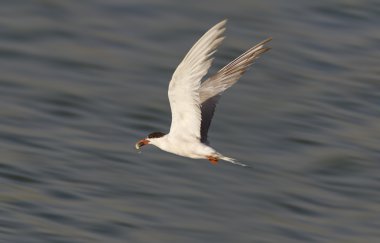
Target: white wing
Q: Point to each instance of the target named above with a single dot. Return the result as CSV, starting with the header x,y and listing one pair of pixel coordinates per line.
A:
x,y
213,87
184,87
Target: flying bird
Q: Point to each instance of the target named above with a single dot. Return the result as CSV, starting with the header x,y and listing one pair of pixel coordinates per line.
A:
x,y
193,102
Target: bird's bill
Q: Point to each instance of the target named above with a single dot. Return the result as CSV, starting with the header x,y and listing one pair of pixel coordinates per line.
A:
x,y
141,143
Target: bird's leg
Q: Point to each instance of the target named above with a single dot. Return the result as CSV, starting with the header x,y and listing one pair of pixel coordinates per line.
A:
x,y
213,160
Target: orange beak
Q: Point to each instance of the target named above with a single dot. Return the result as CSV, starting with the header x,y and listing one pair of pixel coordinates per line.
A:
x,y
141,143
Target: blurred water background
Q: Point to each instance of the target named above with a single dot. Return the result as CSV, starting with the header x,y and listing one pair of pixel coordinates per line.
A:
x,y
82,81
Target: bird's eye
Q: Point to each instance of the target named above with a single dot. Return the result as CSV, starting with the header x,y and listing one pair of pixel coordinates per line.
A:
x,y
156,135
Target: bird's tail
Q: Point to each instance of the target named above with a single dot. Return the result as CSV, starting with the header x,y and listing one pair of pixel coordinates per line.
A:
x,y
231,160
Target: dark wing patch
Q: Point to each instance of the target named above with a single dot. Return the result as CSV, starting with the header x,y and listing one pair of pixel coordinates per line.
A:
x,y
156,135
208,109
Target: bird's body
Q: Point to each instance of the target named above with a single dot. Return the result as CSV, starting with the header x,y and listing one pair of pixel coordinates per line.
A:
x,y
193,102
189,148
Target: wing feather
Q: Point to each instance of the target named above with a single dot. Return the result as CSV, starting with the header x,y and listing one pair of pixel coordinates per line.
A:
x,y
184,86
213,87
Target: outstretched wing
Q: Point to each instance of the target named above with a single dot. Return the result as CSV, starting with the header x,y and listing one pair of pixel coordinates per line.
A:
x,y
213,87
184,87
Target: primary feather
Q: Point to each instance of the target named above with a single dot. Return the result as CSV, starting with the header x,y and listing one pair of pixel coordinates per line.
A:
x,y
211,89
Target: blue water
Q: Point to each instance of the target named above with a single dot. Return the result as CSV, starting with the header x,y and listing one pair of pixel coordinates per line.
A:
x,y
82,81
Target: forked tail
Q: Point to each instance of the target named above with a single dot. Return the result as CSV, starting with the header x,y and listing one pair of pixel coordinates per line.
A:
x,y
231,160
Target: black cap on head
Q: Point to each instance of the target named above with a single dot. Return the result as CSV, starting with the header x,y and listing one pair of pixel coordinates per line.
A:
x,y
156,135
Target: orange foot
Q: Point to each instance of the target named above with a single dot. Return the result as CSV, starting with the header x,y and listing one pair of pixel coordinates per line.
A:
x,y
213,160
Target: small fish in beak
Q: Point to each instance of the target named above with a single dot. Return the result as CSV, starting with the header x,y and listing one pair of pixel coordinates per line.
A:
x,y
141,143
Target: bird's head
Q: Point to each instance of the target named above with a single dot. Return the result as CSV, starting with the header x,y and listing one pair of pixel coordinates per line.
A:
x,y
150,139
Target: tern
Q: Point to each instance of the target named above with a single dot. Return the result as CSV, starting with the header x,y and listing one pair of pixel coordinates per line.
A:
x,y
193,102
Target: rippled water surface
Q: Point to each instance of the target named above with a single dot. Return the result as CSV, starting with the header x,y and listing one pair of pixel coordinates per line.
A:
x,y
82,81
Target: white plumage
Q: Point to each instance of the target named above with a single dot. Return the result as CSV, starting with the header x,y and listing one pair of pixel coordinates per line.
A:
x,y
193,103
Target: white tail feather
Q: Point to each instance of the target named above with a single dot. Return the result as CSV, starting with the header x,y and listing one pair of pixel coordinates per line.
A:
x,y
231,160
